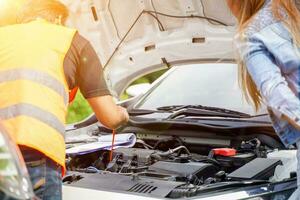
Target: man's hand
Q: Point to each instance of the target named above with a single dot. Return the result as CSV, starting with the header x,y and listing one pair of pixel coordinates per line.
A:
x,y
125,114
107,112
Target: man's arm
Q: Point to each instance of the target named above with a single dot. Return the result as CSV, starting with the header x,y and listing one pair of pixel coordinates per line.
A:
x,y
107,112
83,69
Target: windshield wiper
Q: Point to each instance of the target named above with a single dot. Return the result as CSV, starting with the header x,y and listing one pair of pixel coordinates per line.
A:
x,y
214,187
231,185
136,112
199,110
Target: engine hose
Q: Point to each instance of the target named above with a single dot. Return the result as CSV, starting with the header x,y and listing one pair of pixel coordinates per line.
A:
x,y
265,140
156,156
167,140
269,141
171,151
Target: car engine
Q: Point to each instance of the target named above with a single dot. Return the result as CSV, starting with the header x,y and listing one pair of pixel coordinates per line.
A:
x,y
174,172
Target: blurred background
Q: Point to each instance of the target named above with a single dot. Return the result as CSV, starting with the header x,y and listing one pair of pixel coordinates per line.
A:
x,y
79,109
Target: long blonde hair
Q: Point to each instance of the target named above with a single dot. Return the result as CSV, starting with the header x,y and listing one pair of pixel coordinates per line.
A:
x,y
247,10
51,10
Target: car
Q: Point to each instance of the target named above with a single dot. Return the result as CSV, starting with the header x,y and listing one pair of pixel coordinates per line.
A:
x,y
198,138
14,179
192,134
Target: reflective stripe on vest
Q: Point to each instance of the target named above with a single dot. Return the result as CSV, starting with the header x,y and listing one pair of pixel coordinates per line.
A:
x,y
35,76
34,112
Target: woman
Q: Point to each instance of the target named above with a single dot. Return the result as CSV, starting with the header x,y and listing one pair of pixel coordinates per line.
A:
x,y
268,41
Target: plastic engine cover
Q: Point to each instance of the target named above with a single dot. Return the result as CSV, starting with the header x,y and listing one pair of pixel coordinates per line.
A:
x,y
190,169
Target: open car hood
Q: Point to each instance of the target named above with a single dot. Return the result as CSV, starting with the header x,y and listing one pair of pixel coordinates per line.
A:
x,y
131,43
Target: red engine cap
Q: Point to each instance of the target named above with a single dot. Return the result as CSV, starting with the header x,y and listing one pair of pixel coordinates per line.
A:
x,y
224,152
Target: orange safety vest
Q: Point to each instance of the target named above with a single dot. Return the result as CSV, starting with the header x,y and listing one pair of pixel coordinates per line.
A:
x,y
33,88
72,94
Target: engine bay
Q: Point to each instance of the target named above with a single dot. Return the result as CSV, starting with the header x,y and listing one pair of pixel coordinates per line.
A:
x,y
171,168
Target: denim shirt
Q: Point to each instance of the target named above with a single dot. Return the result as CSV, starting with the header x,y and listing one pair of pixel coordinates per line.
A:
x,y
273,62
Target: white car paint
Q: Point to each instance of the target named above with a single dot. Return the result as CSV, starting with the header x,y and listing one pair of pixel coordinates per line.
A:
x,y
82,193
144,47
70,192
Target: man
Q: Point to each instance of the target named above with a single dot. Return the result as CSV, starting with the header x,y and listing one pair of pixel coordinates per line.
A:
x,y
40,62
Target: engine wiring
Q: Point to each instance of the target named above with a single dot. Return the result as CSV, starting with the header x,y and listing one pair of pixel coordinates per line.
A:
x,y
154,14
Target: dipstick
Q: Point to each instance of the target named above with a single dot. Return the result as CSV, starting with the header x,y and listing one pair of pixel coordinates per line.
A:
x,y
112,146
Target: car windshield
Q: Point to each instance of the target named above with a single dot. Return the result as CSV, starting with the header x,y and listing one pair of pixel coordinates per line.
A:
x,y
214,85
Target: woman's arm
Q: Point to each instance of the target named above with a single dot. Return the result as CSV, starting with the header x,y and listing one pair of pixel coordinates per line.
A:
x,y
271,84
